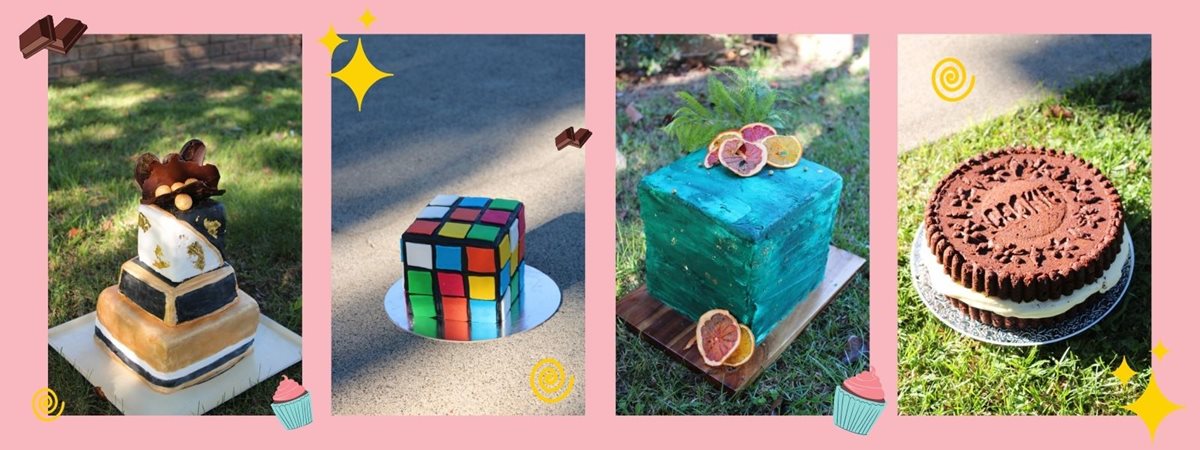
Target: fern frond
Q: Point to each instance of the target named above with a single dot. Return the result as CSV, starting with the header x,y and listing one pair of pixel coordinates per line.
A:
x,y
745,99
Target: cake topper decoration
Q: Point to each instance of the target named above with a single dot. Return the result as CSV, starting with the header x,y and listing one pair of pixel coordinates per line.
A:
x,y
180,179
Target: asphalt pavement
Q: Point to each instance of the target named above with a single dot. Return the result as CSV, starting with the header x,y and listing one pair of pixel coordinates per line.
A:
x,y
1010,71
466,115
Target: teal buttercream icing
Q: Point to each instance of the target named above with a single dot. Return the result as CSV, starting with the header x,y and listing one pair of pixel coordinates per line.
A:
x,y
754,246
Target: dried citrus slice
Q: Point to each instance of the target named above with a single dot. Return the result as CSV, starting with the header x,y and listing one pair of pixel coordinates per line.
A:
x,y
743,158
714,145
783,151
717,336
744,350
757,131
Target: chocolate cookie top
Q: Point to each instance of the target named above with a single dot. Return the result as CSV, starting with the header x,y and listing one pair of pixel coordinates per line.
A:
x,y
1025,223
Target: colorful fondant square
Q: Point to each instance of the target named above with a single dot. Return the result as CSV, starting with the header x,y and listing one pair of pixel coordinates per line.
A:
x,y
418,255
433,212
456,330
482,287
483,233
443,200
420,282
473,202
455,308
495,217
450,284
484,311
422,305
449,258
464,214
454,230
504,204
481,260
423,227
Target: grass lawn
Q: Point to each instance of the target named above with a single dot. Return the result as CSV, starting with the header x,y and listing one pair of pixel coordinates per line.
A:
x,y
829,112
944,373
250,122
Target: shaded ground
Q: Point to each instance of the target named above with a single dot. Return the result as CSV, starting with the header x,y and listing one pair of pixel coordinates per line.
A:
x,y
1011,71
829,112
469,115
251,124
943,373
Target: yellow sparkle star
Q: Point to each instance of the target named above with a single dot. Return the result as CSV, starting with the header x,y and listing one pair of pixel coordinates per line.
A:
x,y
359,74
367,18
1159,350
1152,406
1124,372
332,40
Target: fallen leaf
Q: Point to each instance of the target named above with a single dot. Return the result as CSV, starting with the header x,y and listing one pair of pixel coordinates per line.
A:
x,y
1058,112
99,392
74,232
632,113
856,348
106,225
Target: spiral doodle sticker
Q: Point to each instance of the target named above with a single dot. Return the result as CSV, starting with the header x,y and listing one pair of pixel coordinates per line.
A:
x,y
46,406
549,381
950,80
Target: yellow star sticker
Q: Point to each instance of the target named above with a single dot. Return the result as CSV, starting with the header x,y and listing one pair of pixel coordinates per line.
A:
x,y
1159,350
359,74
332,40
1152,406
1124,372
367,19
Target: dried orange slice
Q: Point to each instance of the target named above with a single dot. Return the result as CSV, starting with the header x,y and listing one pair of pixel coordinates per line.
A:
x,y
744,350
757,131
714,145
717,336
783,151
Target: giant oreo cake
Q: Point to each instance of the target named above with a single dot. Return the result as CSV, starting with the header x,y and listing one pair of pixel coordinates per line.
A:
x,y
176,317
1022,237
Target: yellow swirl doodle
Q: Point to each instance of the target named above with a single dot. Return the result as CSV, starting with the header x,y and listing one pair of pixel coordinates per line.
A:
x,y
549,381
45,402
949,75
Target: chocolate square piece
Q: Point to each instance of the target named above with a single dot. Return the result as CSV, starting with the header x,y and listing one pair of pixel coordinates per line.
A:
x,y
38,36
66,34
564,139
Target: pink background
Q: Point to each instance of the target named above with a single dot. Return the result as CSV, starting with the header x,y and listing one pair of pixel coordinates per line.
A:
x,y
24,231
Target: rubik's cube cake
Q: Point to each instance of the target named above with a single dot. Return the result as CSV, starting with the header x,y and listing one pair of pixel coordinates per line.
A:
x,y
464,261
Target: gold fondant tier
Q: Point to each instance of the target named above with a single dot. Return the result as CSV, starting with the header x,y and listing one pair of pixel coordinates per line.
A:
x,y
170,349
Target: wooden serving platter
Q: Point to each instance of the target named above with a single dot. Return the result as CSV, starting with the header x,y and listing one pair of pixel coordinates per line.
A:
x,y
673,332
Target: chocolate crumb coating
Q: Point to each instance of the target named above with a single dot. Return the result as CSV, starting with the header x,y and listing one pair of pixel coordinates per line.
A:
x,y
1025,224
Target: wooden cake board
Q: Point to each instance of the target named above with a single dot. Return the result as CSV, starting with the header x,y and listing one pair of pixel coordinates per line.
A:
x,y
275,349
671,331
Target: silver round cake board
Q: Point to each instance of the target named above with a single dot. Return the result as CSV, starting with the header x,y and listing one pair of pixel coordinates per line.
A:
x,y
941,307
542,299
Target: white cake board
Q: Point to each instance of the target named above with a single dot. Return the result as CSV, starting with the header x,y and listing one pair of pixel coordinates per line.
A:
x,y
275,348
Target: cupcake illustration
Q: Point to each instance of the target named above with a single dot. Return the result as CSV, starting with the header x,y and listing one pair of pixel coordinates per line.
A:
x,y
858,402
292,404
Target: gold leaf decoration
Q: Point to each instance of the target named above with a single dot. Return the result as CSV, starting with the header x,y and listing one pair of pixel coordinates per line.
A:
x,y
159,263
143,222
212,226
197,252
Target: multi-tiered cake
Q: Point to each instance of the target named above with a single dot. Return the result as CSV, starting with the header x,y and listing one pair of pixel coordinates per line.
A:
x,y
176,316
1021,237
464,263
754,245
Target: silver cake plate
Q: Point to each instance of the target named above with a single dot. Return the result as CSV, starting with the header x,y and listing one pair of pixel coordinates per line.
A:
x,y
540,301
1092,313
275,348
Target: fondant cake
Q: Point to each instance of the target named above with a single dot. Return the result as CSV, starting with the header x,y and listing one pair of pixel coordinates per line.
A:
x,y
1020,237
464,262
176,316
753,245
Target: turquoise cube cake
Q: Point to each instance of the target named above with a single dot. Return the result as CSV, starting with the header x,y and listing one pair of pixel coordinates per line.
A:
x,y
755,246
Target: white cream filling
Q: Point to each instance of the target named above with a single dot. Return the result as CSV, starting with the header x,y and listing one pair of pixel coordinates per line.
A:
x,y
945,285
168,376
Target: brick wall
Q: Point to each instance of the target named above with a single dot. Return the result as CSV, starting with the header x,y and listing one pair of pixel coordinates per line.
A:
x,y
110,54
